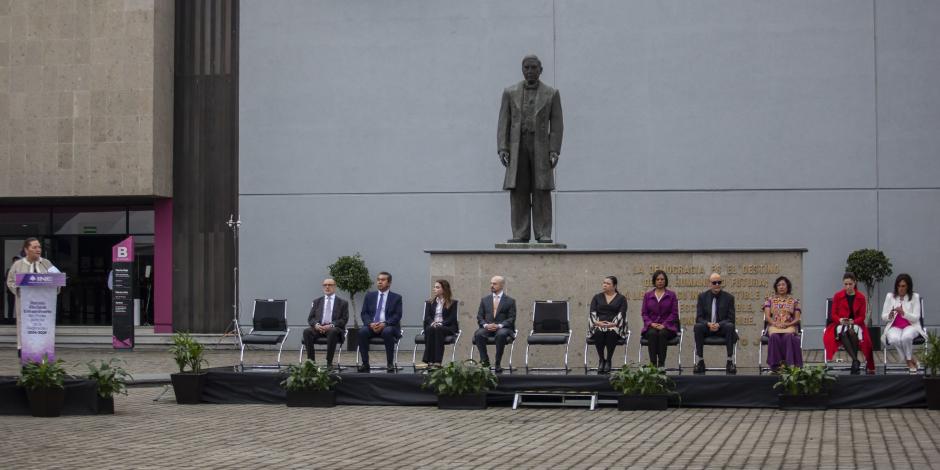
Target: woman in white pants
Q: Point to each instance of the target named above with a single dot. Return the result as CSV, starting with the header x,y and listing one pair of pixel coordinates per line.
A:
x,y
902,312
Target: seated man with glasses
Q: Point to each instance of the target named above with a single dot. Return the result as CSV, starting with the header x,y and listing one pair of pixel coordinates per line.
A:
x,y
327,318
714,316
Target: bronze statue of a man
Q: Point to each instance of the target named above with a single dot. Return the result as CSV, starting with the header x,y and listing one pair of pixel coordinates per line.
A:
x,y
529,142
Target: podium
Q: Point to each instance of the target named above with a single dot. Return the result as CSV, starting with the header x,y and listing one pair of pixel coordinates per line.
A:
x,y
38,292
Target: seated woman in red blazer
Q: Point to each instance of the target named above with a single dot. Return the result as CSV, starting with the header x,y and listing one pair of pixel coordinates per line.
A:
x,y
848,325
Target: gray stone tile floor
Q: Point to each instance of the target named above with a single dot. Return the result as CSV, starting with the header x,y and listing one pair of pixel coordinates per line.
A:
x,y
161,434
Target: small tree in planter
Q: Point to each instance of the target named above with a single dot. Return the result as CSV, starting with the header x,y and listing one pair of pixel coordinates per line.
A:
x,y
804,388
870,267
930,358
461,385
44,382
188,354
308,384
351,275
643,388
111,379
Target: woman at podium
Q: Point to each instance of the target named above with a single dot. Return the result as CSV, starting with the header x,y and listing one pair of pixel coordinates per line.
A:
x,y
33,262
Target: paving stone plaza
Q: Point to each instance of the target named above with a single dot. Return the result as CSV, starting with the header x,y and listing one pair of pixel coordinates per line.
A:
x,y
161,434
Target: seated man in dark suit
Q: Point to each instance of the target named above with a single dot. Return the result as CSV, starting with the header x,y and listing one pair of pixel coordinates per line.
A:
x,y
381,316
714,316
499,324
328,317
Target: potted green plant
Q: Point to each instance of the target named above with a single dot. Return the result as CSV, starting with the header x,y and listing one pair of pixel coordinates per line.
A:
x,y
870,267
642,388
804,388
460,385
189,357
44,382
111,379
351,275
308,384
930,358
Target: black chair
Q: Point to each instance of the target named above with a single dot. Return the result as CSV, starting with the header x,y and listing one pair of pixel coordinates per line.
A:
x,y
717,341
324,341
765,340
839,347
491,341
918,341
448,340
269,328
589,341
675,341
379,341
550,326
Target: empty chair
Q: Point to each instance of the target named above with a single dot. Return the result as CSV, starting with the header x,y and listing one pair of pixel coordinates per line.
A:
x,y
550,326
269,328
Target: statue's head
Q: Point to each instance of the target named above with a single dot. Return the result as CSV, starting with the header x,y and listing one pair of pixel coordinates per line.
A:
x,y
531,68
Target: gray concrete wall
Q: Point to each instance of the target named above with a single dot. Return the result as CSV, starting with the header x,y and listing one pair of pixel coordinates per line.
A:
x,y
369,126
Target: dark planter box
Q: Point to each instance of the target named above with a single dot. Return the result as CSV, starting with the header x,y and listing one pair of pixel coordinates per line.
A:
x,y
46,402
105,405
315,398
473,401
803,402
642,402
932,390
188,387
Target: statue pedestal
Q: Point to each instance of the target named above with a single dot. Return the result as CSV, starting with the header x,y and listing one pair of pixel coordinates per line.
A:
x,y
575,276
531,246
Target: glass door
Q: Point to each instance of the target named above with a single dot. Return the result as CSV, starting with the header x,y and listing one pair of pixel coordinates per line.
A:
x,y
10,248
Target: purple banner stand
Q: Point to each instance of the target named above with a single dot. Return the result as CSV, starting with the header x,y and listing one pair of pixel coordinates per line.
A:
x,y
38,310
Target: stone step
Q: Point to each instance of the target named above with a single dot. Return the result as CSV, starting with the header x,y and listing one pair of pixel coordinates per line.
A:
x,y
100,336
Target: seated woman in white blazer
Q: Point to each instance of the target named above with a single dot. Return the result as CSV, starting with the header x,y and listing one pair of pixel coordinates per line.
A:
x,y
902,314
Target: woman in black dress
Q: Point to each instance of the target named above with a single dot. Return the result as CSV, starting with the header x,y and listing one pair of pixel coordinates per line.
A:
x,y
608,322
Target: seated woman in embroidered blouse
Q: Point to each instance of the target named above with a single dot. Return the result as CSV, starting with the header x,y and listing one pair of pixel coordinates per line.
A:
x,y
902,314
660,312
608,322
782,316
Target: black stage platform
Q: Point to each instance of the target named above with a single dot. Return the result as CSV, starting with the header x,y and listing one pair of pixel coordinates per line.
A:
x,y
81,397
742,391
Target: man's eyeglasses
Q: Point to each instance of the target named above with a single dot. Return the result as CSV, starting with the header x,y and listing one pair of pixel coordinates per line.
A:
x,y
716,283
329,285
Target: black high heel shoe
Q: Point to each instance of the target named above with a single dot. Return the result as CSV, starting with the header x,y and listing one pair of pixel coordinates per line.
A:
x,y
856,367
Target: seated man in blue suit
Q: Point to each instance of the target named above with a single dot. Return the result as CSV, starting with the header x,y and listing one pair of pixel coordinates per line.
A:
x,y
381,316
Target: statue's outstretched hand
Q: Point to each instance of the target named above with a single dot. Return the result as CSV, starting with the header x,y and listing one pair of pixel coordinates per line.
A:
x,y
553,159
504,158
